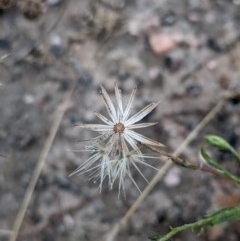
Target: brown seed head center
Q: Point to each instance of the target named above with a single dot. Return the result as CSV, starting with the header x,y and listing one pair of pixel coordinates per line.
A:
x,y
119,128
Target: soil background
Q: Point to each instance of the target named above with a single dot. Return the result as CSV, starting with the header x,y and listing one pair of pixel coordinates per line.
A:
x,y
185,53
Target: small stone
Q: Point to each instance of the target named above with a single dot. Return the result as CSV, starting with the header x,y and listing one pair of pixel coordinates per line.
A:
x,y
194,17
224,81
134,28
153,73
194,90
56,51
56,46
172,64
64,85
62,182
235,100
22,140
169,19
215,45
212,65
4,44
55,40
28,99
156,77
123,76
53,2
68,222
161,43
85,80
172,179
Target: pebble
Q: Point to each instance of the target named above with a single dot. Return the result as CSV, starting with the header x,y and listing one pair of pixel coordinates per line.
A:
x,y
62,181
4,44
55,40
56,45
194,17
28,99
134,27
169,19
22,140
161,43
65,84
172,178
156,77
212,65
123,76
68,222
235,100
214,45
172,64
53,2
56,50
43,183
85,80
194,90
224,81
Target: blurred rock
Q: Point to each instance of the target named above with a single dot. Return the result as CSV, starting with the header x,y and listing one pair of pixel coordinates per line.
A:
x,y
215,45
161,43
173,178
194,90
172,64
4,43
169,19
53,2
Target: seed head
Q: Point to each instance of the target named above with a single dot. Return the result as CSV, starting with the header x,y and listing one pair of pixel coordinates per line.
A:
x,y
118,128
120,142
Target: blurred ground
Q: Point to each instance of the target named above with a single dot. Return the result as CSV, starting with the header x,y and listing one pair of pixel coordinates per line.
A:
x,y
184,53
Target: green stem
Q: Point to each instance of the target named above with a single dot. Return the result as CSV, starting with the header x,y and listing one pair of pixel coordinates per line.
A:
x,y
227,214
235,153
228,175
222,171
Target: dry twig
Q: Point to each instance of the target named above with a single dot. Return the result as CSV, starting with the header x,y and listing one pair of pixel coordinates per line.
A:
x,y
39,166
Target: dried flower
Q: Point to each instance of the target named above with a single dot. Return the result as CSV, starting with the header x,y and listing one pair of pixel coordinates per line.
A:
x,y
99,164
117,146
122,168
120,127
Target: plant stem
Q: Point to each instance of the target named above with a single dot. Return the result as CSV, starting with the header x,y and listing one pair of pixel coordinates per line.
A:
x,y
235,153
227,214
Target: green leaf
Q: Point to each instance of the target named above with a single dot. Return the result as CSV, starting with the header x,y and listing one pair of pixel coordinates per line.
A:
x,y
221,144
223,215
221,170
209,160
218,142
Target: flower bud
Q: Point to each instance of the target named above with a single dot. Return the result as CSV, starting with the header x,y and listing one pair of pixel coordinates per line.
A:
x,y
218,142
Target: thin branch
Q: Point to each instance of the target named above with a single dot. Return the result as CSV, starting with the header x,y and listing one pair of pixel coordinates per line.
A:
x,y
39,166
